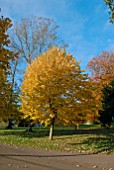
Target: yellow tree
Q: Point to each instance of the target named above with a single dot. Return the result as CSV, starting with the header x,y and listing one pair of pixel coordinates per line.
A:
x,y
54,89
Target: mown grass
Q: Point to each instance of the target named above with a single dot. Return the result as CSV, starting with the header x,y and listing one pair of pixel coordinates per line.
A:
x,y
84,140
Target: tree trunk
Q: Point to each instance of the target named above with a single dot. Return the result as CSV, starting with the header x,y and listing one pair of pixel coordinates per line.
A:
x,y
51,129
76,127
29,127
51,132
10,124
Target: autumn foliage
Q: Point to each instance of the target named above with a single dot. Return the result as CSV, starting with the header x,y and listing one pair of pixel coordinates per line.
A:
x,y
55,90
101,68
5,57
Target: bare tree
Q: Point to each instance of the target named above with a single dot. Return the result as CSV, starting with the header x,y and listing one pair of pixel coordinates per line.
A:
x,y
33,36
30,38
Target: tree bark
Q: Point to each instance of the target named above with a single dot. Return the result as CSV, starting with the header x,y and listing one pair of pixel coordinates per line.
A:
x,y
51,129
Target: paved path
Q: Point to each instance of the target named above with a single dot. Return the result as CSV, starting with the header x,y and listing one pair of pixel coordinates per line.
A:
x,y
20,158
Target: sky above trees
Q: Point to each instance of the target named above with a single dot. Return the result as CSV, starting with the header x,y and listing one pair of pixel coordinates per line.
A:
x,y
84,24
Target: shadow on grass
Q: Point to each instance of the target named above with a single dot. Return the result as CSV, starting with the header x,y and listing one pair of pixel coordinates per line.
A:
x,y
42,132
88,140
99,144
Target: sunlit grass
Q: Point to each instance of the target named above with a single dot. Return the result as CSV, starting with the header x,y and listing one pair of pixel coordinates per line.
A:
x,y
86,142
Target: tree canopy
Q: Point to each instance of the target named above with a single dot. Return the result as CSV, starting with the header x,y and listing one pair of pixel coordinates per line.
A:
x,y
32,36
5,69
110,4
55,90
102,68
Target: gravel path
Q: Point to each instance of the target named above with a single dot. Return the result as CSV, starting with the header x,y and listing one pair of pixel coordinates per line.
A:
x,y
14,158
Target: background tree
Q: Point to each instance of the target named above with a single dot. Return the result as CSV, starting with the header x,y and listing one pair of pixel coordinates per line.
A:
x,y
15,91
30,37
107,112
6,56
101,69
54,89
110,4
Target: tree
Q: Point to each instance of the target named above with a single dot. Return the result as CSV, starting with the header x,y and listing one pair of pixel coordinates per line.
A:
x,y
101,68
33,36
6,56
14,93
30,37
110,4
55,90
107,113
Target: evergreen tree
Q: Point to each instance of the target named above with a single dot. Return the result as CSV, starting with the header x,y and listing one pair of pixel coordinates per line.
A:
x,y
107,112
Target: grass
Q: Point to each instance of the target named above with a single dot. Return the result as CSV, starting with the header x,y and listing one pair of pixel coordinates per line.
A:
x,y
84,140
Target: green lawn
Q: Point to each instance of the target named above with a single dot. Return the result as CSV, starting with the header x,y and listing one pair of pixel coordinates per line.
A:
x,y
84,140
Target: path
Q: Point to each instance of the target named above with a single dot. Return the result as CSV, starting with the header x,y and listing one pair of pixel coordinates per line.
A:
x,y
20,158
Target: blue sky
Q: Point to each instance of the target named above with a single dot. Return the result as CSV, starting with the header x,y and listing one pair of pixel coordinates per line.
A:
x,y
84,24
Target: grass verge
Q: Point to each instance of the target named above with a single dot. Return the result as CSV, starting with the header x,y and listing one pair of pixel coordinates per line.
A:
x,y
84,141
